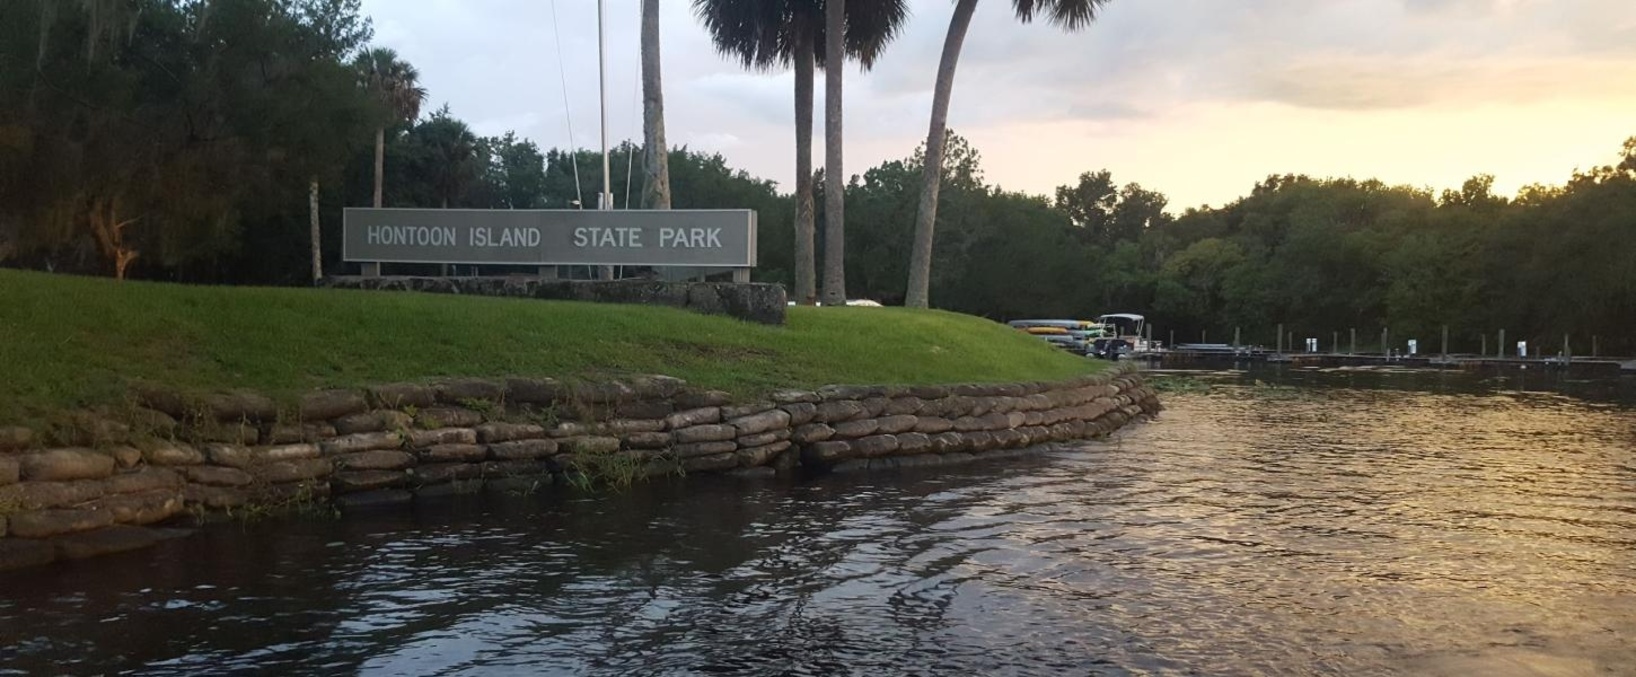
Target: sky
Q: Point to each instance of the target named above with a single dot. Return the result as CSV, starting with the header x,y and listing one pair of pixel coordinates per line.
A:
x,y
1198,99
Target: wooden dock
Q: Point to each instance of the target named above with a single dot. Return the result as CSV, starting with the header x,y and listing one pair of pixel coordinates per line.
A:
x,y
1590,366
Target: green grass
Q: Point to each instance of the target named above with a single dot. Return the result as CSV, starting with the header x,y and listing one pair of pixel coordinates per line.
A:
x,y
71,342
1179,384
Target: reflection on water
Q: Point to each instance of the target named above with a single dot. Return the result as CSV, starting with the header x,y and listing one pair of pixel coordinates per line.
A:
x,y
1329,528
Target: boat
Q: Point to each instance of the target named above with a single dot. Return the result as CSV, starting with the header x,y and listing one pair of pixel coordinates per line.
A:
x,y
1133,330
1075,336
1064,324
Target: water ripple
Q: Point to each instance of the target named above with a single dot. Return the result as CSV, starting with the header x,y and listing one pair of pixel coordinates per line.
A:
x,y
1348,531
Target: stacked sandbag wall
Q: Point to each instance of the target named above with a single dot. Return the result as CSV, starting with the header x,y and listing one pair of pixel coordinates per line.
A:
x,y
173,455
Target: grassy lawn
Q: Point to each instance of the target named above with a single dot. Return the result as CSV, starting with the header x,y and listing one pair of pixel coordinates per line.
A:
x,y
68,342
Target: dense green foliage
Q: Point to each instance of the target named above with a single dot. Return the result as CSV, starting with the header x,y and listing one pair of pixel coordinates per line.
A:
x,y
171,135
1319,256
185,134
1327,256
198,126
73,341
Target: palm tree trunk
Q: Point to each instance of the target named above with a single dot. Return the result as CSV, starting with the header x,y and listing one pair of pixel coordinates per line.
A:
x,y
920,259
312,214
806,274
655,156
380,162
834,173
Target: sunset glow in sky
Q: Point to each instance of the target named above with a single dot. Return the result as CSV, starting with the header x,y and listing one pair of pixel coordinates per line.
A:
x,y
1198,99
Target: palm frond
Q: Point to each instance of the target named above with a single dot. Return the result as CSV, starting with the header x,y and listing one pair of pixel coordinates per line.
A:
x,y
395,82
871,25
1071,15
762,34
747,31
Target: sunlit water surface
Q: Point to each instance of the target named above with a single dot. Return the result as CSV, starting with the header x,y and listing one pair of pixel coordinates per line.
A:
x,y
1382,525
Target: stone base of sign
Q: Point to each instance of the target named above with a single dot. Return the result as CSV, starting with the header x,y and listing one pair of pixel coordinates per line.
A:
x,y
389,446
755,302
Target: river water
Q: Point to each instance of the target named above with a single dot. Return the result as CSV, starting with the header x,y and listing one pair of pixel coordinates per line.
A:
x,y
1280,523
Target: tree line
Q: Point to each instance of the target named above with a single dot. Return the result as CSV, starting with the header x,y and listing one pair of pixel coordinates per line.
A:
x,y
1320,256
209,141
200,141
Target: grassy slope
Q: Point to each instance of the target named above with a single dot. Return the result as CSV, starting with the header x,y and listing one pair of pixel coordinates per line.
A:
x,y
68,342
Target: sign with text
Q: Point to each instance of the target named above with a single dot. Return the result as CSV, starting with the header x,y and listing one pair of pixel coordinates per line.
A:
x,y
551,237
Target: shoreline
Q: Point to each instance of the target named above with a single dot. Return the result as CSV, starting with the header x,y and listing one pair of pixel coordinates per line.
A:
x,y
194,458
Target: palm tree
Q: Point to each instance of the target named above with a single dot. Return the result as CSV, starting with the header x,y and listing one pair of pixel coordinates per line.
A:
x,y
451,152
1071,15
834,291
396,84
762,34
655,157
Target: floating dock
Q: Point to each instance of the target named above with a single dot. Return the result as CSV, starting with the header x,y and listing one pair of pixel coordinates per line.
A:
x,y
1222,354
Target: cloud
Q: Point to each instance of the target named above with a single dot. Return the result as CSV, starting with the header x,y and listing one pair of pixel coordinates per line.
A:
x,y
1347,54
496,126
1148,69
714,141
766,98
1352,83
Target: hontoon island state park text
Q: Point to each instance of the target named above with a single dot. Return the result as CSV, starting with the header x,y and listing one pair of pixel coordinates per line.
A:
x,y
590,236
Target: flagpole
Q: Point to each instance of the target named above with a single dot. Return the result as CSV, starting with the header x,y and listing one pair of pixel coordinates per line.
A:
x,y
605,201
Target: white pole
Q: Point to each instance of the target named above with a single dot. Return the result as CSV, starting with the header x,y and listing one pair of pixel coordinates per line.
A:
x,y
604,201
